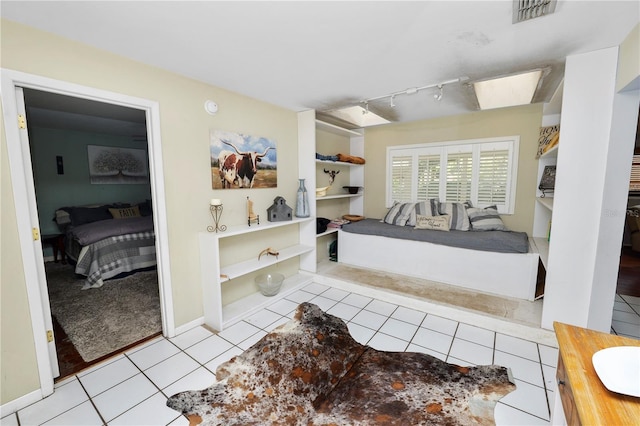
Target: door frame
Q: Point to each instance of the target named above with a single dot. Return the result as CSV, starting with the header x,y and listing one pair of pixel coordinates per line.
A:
x,y
19,157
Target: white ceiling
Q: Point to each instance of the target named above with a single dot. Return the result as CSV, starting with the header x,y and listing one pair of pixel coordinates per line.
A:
x,y
323,55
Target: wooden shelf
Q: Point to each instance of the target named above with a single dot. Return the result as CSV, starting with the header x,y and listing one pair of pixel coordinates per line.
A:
x,y
542,244
339,163
242,268
552,153
547,202
234,312
333,197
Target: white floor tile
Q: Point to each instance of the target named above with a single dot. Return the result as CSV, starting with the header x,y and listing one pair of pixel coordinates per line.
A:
x,y
475,334
548,355
222,358
509,416
549,375
408,315
124,396
263,318
196,380
247,343
630,317
154,354
82,415
283,307
315,288
63,399
433,340
380,307
443,325
399,329
335,294
171,369
10,420
323,303
180,421
471,352
108,376
300,296
360,333
513,345
357,300
97,366
620,305
344,311
208,349
238,332
384,342
415,348
191,337
632,300
144,344
150,412
528,398
276,324
521,368
369,319
626,329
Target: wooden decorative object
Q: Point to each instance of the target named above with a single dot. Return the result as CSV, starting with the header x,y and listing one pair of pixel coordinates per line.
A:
x,y
251,216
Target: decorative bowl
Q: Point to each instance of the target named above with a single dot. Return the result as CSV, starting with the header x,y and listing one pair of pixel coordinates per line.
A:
x,y
352,189
269,284
321,192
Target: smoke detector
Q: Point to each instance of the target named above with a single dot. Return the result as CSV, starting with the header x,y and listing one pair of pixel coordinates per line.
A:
x,y
525,10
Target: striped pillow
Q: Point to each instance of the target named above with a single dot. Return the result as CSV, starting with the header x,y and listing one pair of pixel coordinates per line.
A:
x,y
399,213
486,219
424,208
458,214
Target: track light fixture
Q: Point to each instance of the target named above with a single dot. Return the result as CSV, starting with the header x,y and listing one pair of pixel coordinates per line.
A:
x,y
414,90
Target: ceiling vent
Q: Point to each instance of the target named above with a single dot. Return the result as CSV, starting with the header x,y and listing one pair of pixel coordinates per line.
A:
x,y
524,10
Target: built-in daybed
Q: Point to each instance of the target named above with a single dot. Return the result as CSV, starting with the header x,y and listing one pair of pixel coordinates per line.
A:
x,y
504,263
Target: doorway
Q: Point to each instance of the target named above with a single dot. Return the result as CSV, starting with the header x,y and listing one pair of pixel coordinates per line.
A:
x,y
27,213
92,324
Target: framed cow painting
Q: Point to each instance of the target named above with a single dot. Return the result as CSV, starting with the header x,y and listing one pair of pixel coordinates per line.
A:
x,y
242,161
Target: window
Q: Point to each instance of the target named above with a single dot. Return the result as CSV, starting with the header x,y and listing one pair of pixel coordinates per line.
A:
x,y
481,171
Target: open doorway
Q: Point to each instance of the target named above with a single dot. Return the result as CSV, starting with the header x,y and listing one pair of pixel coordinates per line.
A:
x,y
96,225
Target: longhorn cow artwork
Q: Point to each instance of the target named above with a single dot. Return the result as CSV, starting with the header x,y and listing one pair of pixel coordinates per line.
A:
x,y
242,161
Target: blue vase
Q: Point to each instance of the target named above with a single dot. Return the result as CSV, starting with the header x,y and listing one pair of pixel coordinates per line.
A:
x,y
302,201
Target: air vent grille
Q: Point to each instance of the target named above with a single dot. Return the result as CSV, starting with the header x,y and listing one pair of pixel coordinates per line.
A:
x,y
524,10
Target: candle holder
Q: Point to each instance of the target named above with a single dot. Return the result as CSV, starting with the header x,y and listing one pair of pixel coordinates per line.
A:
x,y
216,213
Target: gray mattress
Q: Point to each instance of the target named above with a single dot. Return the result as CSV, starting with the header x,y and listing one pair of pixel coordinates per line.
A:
x,y
496,241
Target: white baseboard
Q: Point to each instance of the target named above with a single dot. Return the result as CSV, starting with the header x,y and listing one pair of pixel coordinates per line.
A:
x,y
188,326
19,403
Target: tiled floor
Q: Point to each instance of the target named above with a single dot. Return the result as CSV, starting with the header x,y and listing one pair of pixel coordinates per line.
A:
x,y
131,389
626,316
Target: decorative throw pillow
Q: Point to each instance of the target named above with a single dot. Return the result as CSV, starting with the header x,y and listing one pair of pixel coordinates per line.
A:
x,y
81,215
125,212
424,208
437,223
458,213
399,213
486,219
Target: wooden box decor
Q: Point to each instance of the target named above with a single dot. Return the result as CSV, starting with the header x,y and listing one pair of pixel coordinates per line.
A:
x,y
279,210
548,180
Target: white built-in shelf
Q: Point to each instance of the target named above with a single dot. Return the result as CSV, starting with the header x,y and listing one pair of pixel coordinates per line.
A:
x,y
242,268
339,163
547,202
552,153
333,197
542,244
327,232
264,225
235,311
321,125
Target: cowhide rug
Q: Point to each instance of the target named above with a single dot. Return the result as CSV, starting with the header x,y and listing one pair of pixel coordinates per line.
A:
x,y
310,371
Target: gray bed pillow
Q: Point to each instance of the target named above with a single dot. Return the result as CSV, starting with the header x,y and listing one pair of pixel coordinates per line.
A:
x,y
486,219
458,213
399,213
429,207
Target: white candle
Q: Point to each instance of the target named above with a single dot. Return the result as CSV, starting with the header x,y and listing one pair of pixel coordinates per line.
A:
x,y
216,202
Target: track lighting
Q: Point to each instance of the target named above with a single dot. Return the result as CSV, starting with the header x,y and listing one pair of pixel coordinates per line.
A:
x,y
438,96
412,91
366,108
391,104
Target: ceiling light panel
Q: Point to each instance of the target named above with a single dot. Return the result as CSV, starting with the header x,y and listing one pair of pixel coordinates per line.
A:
x,y
507,91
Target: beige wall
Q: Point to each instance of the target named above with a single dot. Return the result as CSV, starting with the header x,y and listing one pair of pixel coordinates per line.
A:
x,y
185,143
521,121
629,61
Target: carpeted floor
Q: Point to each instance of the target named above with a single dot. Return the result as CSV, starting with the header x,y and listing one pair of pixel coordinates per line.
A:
x,y
102,320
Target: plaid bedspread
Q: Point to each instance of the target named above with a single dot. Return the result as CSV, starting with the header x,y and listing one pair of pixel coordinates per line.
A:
x,y
111,256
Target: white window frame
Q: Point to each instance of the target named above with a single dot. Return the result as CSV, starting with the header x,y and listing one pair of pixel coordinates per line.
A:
x,y
511,143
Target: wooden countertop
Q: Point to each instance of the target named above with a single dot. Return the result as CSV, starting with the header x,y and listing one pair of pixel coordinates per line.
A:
x,y
596,405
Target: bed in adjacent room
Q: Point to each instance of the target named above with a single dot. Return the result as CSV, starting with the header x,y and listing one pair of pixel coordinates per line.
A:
x,y
108,240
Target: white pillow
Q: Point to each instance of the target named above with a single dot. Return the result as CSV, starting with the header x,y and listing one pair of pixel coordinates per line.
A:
x,y
437,223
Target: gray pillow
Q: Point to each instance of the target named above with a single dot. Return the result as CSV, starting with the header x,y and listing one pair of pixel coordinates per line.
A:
x,y
486,219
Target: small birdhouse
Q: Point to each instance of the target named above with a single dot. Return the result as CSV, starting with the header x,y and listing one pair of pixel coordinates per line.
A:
x,y
279,211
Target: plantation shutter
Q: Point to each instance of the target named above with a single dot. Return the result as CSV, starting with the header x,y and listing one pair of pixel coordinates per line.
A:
x,y
493,177
401,171
459,176
428,177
